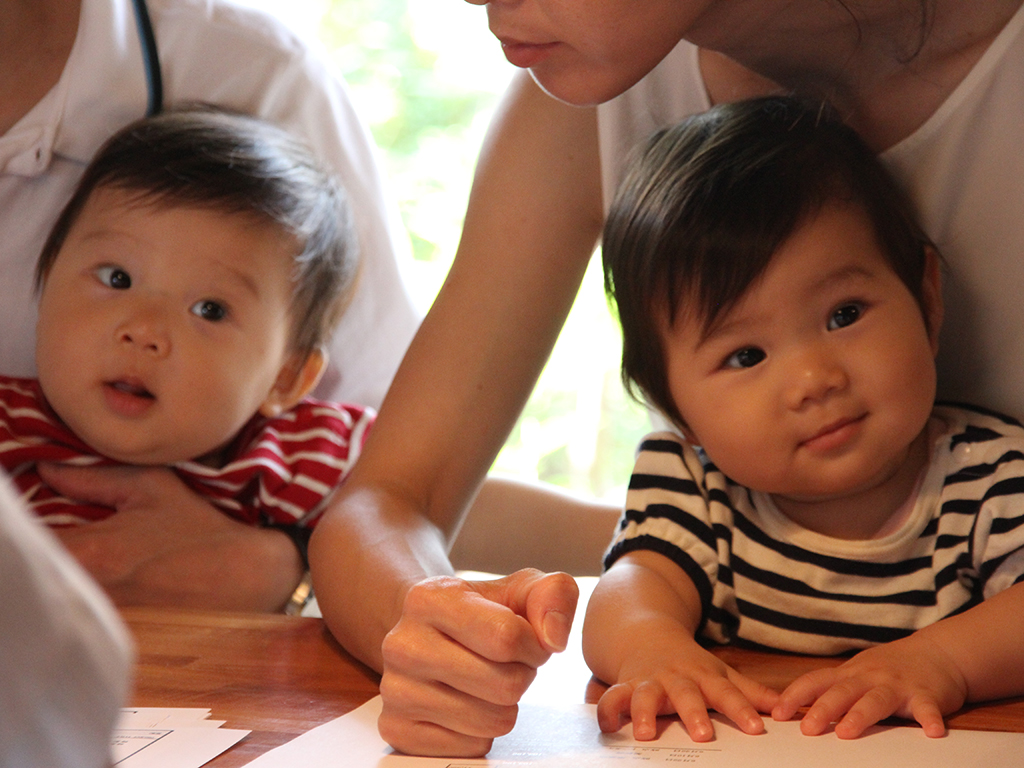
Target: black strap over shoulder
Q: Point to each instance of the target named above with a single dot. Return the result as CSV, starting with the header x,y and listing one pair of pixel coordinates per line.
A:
x,y
150,58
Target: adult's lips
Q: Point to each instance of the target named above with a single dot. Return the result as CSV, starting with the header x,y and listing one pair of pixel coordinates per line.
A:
x,y
523,54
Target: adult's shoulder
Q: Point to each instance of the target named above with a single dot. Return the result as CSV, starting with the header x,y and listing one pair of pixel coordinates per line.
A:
x,y
234,55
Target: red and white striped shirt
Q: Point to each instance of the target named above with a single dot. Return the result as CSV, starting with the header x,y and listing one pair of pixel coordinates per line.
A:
x,y
279,471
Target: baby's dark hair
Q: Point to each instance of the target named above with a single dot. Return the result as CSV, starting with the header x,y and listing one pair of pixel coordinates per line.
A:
x,y
706,204
206,157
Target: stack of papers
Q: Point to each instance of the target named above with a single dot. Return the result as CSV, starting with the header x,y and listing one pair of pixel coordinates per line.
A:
x,y
148,737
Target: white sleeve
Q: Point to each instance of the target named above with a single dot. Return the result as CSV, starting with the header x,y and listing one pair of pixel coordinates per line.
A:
x,y
64,654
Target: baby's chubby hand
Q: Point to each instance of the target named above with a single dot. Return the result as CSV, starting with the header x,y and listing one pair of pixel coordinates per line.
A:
x,y
912,678
670,673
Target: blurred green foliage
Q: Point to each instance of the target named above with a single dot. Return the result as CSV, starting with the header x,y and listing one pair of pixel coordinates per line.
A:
x,y
374,46
424,123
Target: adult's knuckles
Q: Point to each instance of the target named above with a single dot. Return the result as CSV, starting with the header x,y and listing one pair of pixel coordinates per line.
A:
x,y
105,557
507,637
503,721
425,597
401,649
393,691
565,585
511,684
454,746
428,740
414,730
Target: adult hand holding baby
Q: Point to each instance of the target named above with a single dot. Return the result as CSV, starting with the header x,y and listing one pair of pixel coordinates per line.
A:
x,y
477,644
166,545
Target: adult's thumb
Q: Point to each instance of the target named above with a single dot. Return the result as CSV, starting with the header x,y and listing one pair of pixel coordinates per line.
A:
x,y
546,600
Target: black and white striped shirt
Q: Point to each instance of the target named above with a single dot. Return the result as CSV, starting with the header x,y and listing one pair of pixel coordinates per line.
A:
x,y
766,582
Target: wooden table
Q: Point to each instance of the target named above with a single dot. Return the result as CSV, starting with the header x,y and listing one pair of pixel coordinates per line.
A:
x,y
280,676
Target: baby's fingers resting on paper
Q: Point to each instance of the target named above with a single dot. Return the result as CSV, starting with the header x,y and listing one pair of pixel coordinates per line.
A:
x,y
615,708
856,703
853,705
879,703
803,691
830,695
853,711
644,701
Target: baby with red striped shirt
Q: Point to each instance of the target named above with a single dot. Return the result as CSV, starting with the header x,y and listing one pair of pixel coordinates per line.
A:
x,y
186,294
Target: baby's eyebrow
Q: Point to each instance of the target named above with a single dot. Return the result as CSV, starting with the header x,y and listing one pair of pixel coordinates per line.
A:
x,y
723,324
244,280
247,282
102,233
838,275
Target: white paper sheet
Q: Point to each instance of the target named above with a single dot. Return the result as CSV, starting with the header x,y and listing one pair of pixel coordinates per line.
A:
x,y
551,733
148,737
550,736
163,717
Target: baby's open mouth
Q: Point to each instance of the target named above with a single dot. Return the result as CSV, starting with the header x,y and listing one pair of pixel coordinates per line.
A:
x,y
131,388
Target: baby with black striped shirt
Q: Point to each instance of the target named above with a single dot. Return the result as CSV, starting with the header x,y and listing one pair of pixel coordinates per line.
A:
x,y
781,306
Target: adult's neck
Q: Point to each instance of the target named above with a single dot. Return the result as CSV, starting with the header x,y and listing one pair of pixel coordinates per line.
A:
x,y
36,37
883,65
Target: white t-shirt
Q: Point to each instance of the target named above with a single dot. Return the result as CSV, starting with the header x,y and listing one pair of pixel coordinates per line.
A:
x,y
964,170
64,654
215,52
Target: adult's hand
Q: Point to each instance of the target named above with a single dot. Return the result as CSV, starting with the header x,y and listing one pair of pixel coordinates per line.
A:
x,y
462,655
165,545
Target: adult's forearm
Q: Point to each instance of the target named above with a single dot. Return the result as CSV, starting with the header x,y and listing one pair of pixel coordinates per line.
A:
x,y
533,218
364,557
554,530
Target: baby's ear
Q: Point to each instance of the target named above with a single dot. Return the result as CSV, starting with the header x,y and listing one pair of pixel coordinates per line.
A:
x,y
297,378
688,433
680,426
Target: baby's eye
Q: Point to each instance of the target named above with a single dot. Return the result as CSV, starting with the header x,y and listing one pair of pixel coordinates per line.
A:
x,y
114,277
747,357
208,309
845,315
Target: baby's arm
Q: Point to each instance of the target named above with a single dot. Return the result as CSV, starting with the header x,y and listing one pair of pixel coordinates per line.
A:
x,y
975,656
639,636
